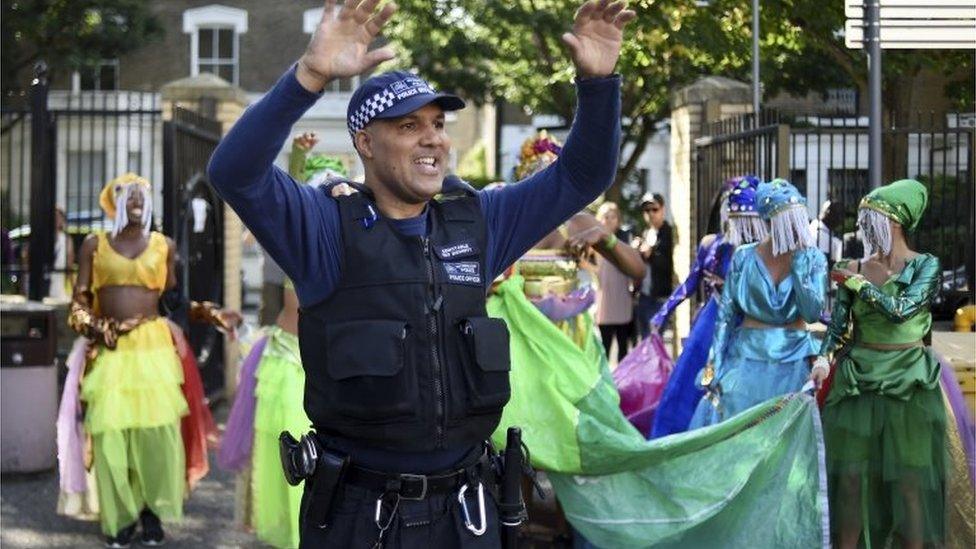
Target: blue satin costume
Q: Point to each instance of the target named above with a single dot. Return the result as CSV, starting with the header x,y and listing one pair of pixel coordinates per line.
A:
x,y
753,365
682,392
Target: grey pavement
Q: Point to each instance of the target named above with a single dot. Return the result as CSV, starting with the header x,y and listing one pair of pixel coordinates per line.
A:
x,y
28,515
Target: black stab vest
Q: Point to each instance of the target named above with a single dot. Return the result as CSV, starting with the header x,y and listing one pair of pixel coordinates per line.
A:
x,y
402,355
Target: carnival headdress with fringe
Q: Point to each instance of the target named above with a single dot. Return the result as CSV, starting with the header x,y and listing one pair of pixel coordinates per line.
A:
x,y
785,208
115,194
744,224
537,154
903,201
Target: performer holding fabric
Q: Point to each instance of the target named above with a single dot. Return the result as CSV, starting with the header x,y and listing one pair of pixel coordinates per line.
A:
x,y
741,225
715,487
552,269
884,418
761,345
753,481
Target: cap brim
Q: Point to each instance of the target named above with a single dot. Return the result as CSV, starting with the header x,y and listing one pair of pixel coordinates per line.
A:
x,y
446,101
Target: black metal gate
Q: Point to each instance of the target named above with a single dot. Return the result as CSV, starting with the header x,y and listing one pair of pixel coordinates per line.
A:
x,y
193,216
826,158
58,150
56,153
732,148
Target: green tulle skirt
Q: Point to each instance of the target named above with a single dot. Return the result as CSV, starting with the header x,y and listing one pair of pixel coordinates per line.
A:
x,y
886,461
279,394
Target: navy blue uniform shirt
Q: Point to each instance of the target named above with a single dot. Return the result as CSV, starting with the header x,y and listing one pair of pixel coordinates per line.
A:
x,y
299,225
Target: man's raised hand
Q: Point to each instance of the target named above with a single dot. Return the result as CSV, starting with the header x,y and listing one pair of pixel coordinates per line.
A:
x,y
597,35
339,46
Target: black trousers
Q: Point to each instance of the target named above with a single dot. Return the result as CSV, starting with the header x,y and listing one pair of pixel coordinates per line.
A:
x,y
434,522
620,332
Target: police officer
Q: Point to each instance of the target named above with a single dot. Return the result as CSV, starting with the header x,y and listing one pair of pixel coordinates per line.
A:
x,y
406,375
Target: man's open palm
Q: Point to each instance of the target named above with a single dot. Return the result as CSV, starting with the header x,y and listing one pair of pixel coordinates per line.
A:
x,y
340,46
597,35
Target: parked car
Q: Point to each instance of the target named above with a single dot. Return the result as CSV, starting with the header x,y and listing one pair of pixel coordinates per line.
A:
x,y
954,293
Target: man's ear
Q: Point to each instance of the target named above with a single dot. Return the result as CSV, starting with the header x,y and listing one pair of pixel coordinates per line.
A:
x,y
364,144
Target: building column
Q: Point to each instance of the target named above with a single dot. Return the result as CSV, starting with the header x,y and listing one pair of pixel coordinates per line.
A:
x,y
708,100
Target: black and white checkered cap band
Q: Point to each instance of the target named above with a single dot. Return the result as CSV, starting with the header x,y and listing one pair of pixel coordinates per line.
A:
x,y
373,106
383,100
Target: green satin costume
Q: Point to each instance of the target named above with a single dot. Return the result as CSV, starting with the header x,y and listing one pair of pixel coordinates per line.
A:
x,y
884,418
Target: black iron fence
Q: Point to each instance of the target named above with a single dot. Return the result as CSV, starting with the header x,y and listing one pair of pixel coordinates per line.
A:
x,y
58,150
826,158
56,154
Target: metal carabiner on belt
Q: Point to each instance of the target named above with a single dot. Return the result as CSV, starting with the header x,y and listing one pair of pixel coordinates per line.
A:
x,y
483,527
378,517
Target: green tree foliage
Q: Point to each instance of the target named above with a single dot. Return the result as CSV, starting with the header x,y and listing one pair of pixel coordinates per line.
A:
x,y
510,50
69,34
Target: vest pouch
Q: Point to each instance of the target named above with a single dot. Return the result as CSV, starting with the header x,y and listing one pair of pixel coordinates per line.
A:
x,y
371,382
487,363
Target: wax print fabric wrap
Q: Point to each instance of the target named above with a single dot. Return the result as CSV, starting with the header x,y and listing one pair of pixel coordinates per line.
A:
x,y
753,481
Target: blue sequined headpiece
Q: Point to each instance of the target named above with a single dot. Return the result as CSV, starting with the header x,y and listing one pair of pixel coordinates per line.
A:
x,y
742,197
777,195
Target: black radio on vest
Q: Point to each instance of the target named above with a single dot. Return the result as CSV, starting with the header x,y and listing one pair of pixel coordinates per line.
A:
x,y
403,355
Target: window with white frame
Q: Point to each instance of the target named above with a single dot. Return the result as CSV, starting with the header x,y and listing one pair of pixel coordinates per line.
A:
x,y
103,76
217,52
215,40
310,20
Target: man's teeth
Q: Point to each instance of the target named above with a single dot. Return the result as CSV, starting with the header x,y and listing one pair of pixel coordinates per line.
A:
x,y
427,160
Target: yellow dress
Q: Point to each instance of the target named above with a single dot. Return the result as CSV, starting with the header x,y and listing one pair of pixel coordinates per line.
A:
x,y
134,401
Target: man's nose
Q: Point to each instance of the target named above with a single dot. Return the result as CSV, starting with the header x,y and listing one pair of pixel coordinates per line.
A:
x,y
432,136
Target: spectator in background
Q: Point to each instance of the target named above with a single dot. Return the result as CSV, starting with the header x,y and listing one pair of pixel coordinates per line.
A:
x,y
824,228
656,246
615,304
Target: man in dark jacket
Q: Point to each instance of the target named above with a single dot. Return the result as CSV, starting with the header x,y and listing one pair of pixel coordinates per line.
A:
x,y
657,247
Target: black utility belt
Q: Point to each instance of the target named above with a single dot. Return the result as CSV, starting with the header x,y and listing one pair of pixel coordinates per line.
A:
x,y
413,486
307,458
328,471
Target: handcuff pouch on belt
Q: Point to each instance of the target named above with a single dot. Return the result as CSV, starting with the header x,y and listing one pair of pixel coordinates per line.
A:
x,y
307,460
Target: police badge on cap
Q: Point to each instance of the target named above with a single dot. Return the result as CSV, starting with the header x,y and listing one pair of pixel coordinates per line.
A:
x,y
393,94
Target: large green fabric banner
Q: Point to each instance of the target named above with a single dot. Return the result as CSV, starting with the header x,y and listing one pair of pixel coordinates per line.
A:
x,y
755,480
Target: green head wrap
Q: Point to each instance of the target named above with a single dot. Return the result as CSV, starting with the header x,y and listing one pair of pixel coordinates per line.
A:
x,y
904,201
317,163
